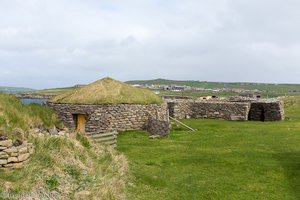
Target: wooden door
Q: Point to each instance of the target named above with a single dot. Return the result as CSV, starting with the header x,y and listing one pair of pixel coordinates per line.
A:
x,y
81,123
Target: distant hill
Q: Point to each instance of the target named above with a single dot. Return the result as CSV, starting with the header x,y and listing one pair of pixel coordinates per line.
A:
x,y
279,89
52,91
14,89
241,85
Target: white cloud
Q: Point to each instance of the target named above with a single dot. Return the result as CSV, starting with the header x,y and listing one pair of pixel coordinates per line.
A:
x,y
52,43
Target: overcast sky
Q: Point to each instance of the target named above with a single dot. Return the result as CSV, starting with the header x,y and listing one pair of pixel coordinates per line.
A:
x,y
56,43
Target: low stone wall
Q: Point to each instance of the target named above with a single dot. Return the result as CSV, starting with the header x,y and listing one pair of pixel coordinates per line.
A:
x,y
180,109
158,127
177,98
14,156
221,110
101,118
209,109
247,109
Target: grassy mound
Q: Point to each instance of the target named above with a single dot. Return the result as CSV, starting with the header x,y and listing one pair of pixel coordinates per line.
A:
x,y
108,91
65,167
14,115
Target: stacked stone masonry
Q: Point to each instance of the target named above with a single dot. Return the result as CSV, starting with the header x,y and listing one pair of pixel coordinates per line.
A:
x,y
106,117
14,156
266,111
255,110
158,127
211,110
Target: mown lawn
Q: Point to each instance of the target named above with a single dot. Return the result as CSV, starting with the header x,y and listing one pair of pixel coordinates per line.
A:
x,y
222,160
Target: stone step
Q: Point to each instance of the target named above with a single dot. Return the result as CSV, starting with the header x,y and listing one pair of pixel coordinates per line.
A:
x,y
114,142
108,138
105,139
100,135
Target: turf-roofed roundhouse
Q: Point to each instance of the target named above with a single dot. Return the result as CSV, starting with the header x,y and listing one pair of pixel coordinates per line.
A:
x,y
107,105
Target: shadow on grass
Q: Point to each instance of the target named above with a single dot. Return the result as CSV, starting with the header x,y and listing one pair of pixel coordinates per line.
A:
x,y
291,163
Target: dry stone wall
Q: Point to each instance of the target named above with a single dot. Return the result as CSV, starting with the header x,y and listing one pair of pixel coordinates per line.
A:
x,y
266,111
249,109
14,156
221,110
209,109
101,118
180,109
158,127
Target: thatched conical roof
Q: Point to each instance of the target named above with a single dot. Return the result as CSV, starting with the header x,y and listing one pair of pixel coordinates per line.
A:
x,y
108,91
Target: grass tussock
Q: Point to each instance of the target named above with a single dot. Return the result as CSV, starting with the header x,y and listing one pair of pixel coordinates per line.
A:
x,y
64,167
14,115
108,91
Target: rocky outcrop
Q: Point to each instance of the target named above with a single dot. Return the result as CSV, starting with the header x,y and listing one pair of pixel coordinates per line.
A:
x,y
42,131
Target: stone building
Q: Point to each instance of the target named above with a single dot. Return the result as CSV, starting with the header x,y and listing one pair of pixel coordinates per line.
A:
x,y
265,110
107,105
231,109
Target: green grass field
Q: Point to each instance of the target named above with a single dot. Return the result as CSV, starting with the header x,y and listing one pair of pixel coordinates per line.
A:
x,y
221,94
222,160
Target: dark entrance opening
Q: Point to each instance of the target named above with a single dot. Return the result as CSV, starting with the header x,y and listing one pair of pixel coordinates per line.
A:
x,y
262,114
171,109
257,112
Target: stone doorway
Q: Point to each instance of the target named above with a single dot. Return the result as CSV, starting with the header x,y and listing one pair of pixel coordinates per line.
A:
x,y
79,120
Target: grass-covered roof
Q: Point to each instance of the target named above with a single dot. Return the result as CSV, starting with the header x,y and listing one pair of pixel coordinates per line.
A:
x,y
108,91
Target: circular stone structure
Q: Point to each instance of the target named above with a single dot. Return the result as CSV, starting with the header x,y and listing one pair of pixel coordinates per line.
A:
x,y
107,105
